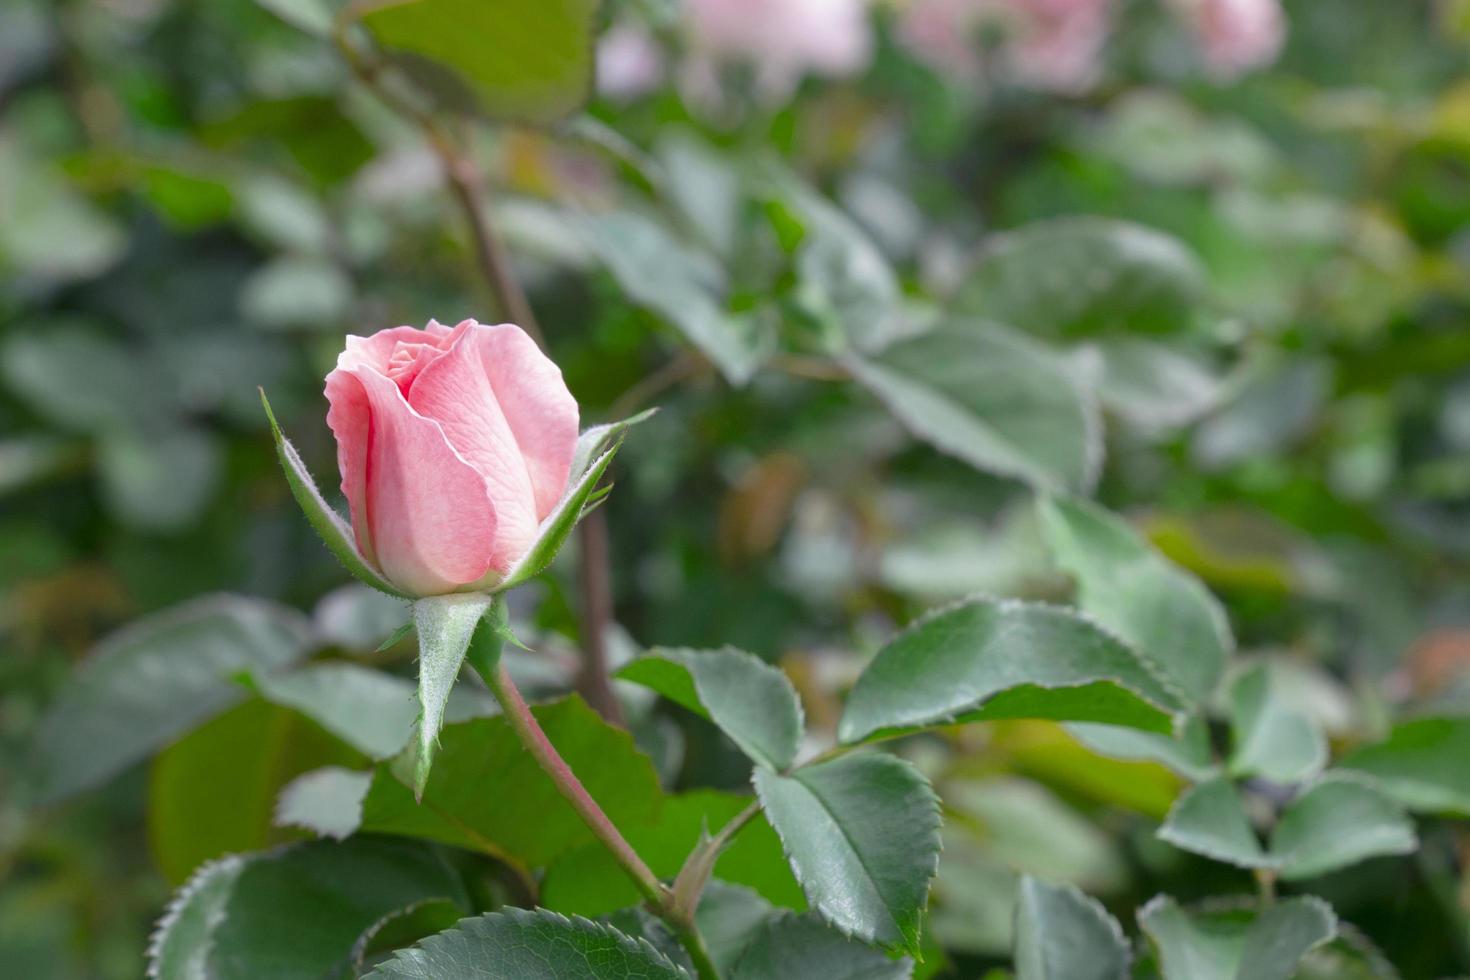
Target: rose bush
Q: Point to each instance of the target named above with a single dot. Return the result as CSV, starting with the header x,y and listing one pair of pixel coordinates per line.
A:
x,y
453,445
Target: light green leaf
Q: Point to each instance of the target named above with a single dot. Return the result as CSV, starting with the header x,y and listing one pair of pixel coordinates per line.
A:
x,y
1339,820
297,292
1210,819
159,482
1062,934
991,398
147,684
465,803
518,59
680,283
51,232
516,944
803,947
1424,764
326,801
1153,385
1272,739
335,532
358,618
372,711
751,701
1167,616
211,792
297,912
1188,753
587,881
1236,944
80,379
844,279
1085,275
862,835
986,658
445,626
312,16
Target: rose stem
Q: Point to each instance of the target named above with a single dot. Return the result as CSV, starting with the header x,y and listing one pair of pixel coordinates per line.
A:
x,y
523,722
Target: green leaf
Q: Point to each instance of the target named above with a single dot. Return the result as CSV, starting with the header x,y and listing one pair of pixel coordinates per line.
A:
x,y
592,456
80,379
986,658
1188,754
296,912
803,947
326,801
445,626
1273,740
515,944
312,16
372,711
1210,819
518,59
335,532
844,279
1236,944
1085,275
147,684
159,482
862,835
751,701
1062,934
1339,820
680,283
1153,385
1422,764
358,618
211,792
587,881
991,398
1162,611
465,802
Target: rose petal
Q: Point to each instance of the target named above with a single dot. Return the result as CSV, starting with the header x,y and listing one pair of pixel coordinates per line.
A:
x,y
431,519
455,390
541,412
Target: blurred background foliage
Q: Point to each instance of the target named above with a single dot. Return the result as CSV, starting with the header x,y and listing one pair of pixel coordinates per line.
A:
x,y
196,200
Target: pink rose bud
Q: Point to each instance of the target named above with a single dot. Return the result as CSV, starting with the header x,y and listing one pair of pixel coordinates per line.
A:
x,y
1235,36
454,445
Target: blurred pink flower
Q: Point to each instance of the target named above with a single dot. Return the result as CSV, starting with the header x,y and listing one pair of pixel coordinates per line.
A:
x,y
629,62
783,39
1049,44
1235,35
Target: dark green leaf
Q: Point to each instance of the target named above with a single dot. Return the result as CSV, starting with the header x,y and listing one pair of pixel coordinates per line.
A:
x,y
151,682
518,944
992,398
1085,275
1424,764
986,658
521,59
803,947
751,701
1162,611
862,835
1062,934
211,793
297,912
1236,944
